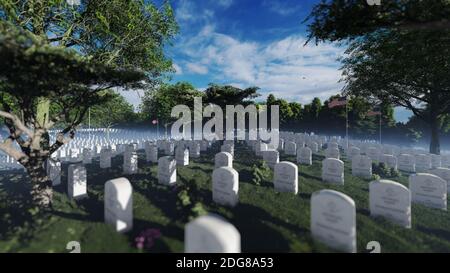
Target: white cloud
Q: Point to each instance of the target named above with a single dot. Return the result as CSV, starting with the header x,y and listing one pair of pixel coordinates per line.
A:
x,y
188,12
281,8
224,3
197,68
178,69
285,68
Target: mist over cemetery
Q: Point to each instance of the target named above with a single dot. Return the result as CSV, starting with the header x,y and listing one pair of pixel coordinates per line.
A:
x,y
81,170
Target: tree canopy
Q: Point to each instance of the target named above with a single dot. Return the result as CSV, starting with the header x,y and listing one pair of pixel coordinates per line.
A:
x,y
398,53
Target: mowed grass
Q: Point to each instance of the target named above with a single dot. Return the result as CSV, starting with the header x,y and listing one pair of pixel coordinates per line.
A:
x,y
268,221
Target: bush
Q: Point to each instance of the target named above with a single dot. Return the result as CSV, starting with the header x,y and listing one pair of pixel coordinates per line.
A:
x,y
382,170
261,172
188,201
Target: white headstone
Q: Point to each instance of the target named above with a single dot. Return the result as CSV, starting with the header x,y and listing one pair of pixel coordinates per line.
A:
x,y
76,181
314,147
225,186
390,200
194,150
182,156
429,190
304,156
87,156
389,160
229,148
211,234
105,158
373,153
130,163
423,163
353,151
445,161
436,161
332,153
167,170
285,177
223,159
290,148
407,163
362,166
54,171
151,154
333,171
443,173
271,157
333,220
119,204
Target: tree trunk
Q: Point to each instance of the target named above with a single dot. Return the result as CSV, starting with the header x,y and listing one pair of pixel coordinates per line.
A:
x,y
435,146
41,190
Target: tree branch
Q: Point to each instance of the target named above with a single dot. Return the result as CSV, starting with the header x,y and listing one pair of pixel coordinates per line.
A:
x,y
17,123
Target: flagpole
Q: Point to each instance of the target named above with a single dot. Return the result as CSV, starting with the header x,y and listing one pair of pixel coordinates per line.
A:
x,y
346,121
380,128
89,115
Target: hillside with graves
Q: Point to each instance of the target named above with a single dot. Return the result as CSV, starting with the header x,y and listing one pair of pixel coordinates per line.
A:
x,y
137,193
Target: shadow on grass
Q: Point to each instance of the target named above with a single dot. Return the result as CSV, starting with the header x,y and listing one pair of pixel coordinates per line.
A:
x,y
256,225
15,206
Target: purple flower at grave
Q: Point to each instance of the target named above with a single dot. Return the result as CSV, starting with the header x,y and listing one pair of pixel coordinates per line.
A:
x,y
146,238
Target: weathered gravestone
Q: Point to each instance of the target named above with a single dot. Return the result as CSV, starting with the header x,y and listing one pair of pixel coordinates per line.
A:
x,y
119,204
211,234
333,220
429,190
390,200
225,186
285,177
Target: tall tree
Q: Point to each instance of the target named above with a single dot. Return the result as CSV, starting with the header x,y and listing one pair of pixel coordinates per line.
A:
x,y
399,53
74,83
224,95
117,34
158,102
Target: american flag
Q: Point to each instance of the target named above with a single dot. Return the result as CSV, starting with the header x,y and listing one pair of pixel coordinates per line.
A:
x,y
374,112
338,102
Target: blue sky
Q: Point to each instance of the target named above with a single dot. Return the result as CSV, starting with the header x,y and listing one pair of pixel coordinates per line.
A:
x,y
255,43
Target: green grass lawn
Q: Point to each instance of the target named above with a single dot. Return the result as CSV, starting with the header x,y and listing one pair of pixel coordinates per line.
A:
x,y
267,221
